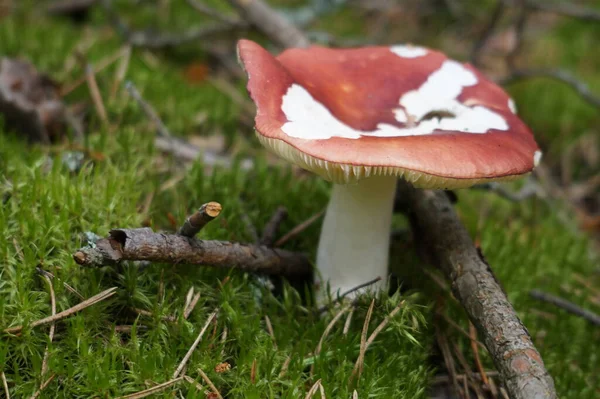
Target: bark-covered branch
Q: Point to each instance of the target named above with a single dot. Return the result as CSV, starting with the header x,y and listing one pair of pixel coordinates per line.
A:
x,y
445,240
145,244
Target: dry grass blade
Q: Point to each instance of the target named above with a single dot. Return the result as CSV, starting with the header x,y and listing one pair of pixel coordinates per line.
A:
x,y
90,77
298,229
67,286
52,325
285,366
100,66
193,382
311,392
5,384
195,344
253,372
210,383
223,341
448,359
475,349
382,325
358,367
270,330
153,390
66,313
188,310
322,391
330,327
121,71
43,386
348,322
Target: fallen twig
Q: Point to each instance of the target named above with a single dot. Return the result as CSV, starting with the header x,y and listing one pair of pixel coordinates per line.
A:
x,y
152,40
446,241
200,218
298,229
272,226
194,344
211,12
566,305
5,384
565,8
95,94
66,313
190,307
345,294
210,383
145,244
557,74
67,286
153,390
43,386
271,23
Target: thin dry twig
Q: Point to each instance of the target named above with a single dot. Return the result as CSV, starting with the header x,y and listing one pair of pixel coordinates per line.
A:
x,y
383,325
150,391
298,229
90,77
271,23
52,325
5,384
487,32
121,71
350,291
475,349
468,377
148,109
193,382
194,344
272,226
66,313
190,307
442,342
566,8
97,68
210,383
566,305
43,386
330,327
556,74
211,12
205,214
358,367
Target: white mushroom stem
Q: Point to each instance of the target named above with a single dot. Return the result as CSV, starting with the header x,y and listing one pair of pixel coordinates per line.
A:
x,y
354,243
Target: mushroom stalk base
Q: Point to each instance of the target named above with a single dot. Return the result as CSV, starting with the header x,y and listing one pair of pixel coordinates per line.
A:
x,y
354,243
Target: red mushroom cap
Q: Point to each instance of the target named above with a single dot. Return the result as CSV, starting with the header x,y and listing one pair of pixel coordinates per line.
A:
x,y
404,111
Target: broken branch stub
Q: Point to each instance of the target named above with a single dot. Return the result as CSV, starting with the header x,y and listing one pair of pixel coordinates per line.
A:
x,y
145,244
200,218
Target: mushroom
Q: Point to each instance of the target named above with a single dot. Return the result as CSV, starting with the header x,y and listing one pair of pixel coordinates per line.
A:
x,y
364,117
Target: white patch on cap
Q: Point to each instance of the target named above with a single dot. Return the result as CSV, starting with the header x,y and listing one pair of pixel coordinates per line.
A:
x,y
512,106
408,51
308,119
537,157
